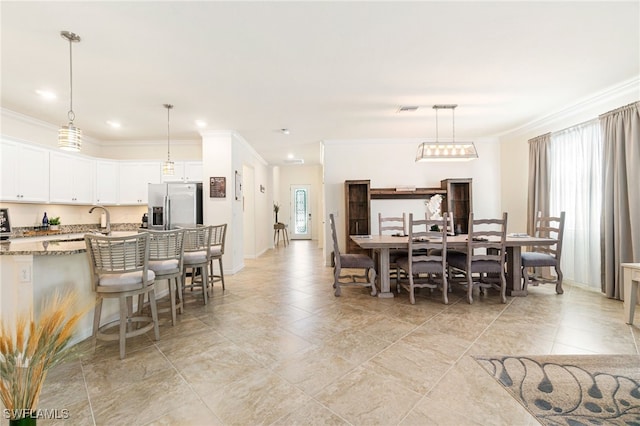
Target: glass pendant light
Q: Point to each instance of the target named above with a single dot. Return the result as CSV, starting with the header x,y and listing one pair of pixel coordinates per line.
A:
x,y
168,167
446,151
70,137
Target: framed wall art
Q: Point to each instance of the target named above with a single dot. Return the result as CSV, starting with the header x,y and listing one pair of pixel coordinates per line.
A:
x,y
217,187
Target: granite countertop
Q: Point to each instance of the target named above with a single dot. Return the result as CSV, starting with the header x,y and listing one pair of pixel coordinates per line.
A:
x,y
59,245
42,248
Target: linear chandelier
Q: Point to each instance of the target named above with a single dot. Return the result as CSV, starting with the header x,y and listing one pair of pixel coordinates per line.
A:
x,y
168,167
446,151
70,137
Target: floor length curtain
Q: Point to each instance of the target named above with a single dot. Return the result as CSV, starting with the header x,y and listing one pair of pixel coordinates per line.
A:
x,y
621,195
538,180
576,181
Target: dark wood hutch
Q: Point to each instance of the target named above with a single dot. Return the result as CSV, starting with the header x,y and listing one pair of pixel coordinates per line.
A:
x,y
358,195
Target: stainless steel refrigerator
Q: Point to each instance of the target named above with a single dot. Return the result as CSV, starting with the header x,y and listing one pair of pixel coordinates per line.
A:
x,y
175,205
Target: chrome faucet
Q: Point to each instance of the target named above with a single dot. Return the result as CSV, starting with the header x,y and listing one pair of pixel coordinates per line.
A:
x,y
107,230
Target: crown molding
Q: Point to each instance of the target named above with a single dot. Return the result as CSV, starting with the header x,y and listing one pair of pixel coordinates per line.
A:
x,y
626,88
44,125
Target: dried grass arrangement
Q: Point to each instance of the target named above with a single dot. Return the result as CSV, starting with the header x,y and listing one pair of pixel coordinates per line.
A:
x,y
33,347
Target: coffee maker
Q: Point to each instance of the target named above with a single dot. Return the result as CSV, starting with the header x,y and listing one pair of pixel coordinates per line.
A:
x,y
145,221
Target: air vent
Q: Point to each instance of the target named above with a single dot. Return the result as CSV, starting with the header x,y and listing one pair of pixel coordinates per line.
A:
x,y
294,161
408,108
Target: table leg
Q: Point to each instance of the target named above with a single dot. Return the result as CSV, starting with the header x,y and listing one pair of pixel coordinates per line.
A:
x,y
630,294
385,282
514,271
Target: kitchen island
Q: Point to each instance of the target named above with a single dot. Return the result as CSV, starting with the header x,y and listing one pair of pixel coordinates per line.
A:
x,y
31,269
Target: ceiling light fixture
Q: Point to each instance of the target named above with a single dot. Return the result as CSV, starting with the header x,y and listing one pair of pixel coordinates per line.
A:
x,y
446,151
46,94
285,131
168,166
70,137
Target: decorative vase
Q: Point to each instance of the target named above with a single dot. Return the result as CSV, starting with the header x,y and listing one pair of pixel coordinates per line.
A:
x,y
54,227
276,217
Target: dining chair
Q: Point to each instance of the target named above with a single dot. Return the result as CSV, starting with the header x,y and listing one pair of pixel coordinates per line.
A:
x,y
119,269
351,261
166,252
485,254
393,226
541,256
197,255
426,258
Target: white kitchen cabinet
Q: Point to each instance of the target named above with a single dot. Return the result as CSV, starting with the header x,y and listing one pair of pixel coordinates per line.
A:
x,y
25,173
134,180
71,179
107,182
185,171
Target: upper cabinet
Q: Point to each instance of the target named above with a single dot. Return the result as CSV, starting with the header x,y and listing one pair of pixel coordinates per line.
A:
x,y
32,174
71,179
107,182
135,178
185,171
25,173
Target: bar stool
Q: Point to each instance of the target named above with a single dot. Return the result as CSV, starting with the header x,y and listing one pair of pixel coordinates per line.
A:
x,y
120,269
277,227
197,257
166,250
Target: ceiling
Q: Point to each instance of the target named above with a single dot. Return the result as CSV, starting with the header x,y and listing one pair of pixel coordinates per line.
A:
x,y
323,70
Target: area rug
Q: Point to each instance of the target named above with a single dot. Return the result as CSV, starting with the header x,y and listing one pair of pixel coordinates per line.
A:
x,y
572,390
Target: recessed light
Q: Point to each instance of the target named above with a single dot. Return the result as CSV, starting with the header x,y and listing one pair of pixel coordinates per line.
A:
x,y
285,131
46,94
289,156
201,124
114,124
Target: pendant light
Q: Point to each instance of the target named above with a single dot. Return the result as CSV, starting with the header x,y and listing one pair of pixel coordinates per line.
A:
x,y
446,151
168,166
70,137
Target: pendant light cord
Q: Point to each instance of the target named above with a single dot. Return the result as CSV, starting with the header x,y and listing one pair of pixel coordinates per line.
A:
x,y
71,114
168,107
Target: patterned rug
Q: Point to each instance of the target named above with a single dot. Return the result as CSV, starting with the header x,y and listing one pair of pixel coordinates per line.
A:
x,y
572,390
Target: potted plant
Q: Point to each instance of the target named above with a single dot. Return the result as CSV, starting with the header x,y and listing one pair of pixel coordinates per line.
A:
x,y
54,223
276,209
28,349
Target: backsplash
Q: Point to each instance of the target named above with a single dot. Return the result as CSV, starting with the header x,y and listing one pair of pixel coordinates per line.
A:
x,y
32,231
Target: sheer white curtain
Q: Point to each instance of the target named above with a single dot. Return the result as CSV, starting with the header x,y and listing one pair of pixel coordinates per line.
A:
x,y
576,188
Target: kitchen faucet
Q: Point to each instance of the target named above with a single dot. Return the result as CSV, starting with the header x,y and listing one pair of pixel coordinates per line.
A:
x,y
107,231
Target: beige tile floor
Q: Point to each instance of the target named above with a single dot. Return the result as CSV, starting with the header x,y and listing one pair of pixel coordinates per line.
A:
x,y
278,348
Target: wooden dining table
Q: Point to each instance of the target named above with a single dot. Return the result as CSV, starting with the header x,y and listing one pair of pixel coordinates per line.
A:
x,y
514,244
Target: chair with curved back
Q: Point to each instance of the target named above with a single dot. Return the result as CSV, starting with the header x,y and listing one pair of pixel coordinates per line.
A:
x,y
216,251
485,254
166,251
351,261
393,226
426,257
197,255
541,256
120,269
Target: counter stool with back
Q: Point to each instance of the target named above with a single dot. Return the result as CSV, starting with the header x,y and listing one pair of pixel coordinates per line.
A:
x,y
119,269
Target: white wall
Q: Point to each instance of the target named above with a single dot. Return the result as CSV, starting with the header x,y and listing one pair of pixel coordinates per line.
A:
x,y
391,163
223,154
515,148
